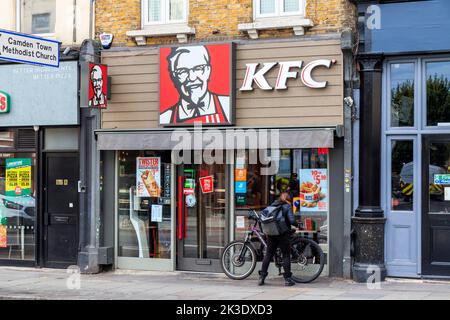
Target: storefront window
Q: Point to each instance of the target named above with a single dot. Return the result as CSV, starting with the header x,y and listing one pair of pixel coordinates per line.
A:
x,y
144,220
438,93
402,94
402,175
17,206
303,173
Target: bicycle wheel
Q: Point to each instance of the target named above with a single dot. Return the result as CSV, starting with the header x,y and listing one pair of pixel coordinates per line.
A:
x,y
238,260
307,260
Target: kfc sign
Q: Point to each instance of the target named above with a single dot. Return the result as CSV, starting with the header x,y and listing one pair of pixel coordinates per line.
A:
x,y
98,78
287,70
196,85
5,102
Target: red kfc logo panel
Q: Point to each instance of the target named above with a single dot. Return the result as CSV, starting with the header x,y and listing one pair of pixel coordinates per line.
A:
x,y
195,85
98,76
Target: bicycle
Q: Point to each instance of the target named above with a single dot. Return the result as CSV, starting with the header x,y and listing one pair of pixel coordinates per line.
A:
x,y
307,258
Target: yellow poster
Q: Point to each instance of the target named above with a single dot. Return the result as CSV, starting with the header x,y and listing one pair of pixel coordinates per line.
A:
x,y
18,177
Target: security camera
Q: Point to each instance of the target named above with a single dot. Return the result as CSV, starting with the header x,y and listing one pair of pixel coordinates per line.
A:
x,y
66,51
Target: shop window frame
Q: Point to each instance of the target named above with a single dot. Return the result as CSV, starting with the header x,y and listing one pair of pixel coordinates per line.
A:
x,y
49,35
417,132
136,263
37,223
423,101
417,94
233,207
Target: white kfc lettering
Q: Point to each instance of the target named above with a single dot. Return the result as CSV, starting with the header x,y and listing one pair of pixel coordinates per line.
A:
x,y
251,75
307,73
284,73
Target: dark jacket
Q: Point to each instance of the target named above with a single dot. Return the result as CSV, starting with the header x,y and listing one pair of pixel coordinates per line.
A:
x,y
288,213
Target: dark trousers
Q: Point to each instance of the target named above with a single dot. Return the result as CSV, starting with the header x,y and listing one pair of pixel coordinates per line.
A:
x,y
284,243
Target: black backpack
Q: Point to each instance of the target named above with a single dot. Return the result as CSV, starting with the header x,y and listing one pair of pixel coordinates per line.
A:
x,y
273,222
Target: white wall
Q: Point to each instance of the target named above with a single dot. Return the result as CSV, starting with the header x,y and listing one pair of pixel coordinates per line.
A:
x,y
8,14
64,19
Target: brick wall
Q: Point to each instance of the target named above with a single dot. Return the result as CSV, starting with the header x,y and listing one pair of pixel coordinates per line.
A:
x,y
218,19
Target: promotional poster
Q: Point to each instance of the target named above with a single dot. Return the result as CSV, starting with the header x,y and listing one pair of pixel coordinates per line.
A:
x,y
313,190
195,84
148,177
18,177
207,184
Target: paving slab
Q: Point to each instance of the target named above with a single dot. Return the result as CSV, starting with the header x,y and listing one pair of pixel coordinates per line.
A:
x,y
31,283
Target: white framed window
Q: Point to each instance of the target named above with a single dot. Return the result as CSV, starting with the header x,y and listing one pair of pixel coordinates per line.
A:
x,y
164,11
36,17
276,8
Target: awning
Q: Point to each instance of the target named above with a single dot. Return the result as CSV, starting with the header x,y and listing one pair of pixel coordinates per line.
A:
x,y
216,138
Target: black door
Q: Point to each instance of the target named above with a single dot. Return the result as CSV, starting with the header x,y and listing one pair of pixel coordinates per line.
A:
x,y
436,206
202,230
61,210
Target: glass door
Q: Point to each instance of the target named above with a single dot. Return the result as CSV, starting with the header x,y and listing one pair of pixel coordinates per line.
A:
x,y
436,206
202,218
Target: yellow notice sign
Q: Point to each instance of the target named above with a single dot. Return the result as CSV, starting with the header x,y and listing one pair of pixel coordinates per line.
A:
x,y
18,177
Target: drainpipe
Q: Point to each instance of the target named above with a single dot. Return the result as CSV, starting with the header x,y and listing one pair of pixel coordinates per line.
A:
x,y
88,257
347,44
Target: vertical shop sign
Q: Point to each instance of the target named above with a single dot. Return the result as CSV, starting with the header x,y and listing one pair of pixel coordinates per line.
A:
x,y
241,185
98,81
313,189
207,184
148,177
18,177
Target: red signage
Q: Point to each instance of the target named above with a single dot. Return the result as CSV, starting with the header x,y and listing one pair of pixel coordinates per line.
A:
x,y
4,102
195,85
98,79
207,184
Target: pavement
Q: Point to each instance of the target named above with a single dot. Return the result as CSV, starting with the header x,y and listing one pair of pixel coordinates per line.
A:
x,y
53,284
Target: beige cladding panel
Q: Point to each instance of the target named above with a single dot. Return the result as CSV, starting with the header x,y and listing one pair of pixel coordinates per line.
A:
x,y
135,87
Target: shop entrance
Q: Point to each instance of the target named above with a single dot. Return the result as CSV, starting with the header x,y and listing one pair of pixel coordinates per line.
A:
x,y
61,209
436,206
202,216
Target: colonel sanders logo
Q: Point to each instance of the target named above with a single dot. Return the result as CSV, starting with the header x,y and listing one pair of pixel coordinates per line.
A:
x,y
97,87
190,70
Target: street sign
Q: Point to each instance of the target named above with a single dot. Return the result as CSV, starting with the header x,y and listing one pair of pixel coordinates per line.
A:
x,y
24,48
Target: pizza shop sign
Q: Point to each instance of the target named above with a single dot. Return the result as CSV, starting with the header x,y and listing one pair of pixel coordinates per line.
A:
x,y
5,102
287,70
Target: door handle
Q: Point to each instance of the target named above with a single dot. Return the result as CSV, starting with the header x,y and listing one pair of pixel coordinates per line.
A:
x,y
180,208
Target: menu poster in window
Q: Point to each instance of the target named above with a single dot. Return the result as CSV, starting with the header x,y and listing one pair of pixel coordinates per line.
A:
x,y
207,184
157,213
3,236
313,190
18,177
148,177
